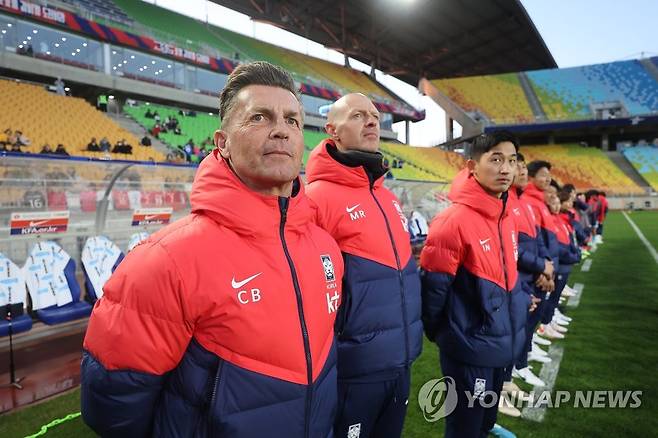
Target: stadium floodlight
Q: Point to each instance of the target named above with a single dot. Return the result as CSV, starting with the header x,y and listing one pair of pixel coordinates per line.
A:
x,y
4,30
168,65
35,31
29,38
56,44
63,38
111,97
20,46
132,56
114,68
77,50
152,62
125,62
72,53
24,42
114,52
8,24
48,53
67,89
84,44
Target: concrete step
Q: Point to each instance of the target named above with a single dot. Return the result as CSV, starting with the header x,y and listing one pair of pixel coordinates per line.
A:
x,y
135,128
620,160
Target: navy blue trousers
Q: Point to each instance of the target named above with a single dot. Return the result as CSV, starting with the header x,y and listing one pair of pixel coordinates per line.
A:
x,y
373,409
554,299
472,418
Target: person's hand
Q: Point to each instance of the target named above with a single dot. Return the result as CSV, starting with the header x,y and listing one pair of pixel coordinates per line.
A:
x,y
549,269
534,302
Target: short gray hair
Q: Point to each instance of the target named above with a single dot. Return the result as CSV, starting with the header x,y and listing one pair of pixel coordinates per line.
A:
x,y
253,73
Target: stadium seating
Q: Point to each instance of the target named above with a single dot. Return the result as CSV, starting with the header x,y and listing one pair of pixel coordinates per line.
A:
x,y
499,97
645,160
306,69
567,93
424,164
583,167
45,117
564,94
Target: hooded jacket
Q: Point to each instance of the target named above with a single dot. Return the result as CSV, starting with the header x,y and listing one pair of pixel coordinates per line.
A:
x,y
545,221
569,252
473,306
379,328
221,324
532,259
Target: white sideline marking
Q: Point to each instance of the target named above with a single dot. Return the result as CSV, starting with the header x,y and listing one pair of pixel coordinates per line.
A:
x,y
644,240
575,300
549,375
587,264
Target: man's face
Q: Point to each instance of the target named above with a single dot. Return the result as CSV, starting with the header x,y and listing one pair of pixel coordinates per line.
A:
x,y
495,170
542,179
355,124
521,178
263,140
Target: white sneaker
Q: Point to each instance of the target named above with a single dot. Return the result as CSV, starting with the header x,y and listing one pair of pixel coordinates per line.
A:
x,y
559,321
599,239
534,357
568,293
528,377
536,349
506,407
547,332
558,327
562,315
539,340
513,390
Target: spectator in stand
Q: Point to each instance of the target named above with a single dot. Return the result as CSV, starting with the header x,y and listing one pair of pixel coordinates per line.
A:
x,y
7,135
46,149
121,147
21,139
16,148
146,141
92,146
3,146
61,150
155,131
105,145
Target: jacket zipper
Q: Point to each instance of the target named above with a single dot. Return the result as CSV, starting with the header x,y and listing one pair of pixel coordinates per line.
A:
x,y
283,207
397,261
214,394
502,257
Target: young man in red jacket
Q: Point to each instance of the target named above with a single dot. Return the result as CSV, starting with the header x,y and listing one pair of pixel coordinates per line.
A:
x,y
473,306
222,323
379,328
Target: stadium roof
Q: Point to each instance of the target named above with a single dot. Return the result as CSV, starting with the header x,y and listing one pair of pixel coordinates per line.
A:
x,y
414,38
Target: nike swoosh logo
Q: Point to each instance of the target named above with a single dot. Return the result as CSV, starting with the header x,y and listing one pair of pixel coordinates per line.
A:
x,y
239,284
150,216
351,209
482,242
37,223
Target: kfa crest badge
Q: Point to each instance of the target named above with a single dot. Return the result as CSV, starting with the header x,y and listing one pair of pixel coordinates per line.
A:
x,y
328,267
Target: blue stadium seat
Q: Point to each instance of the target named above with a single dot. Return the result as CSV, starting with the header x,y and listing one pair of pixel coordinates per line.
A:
x,y
12,298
